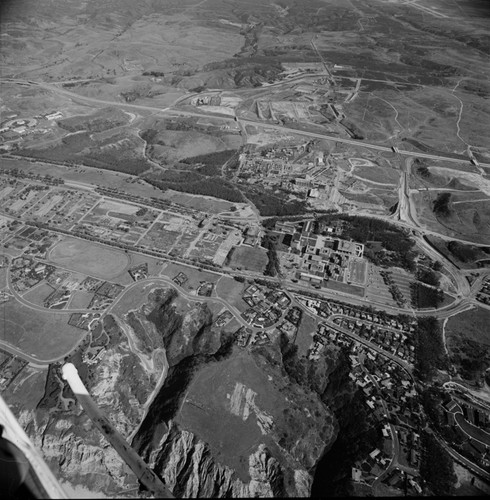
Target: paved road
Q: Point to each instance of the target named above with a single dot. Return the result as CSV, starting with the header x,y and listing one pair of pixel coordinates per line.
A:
x,y
169,110
464,461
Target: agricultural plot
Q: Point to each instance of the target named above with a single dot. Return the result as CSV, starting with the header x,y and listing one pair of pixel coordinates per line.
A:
x,y
113,219
214,245
89,258
160,237
189,235
43,335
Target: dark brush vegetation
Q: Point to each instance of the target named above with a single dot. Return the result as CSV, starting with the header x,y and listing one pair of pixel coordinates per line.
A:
x,y
354,130
357,435
429,348
464,253
195,183
158,74
436,467
423,296
270,243
471,359
269,203
210,164
428,276
441,206
105,119
461,254
118,163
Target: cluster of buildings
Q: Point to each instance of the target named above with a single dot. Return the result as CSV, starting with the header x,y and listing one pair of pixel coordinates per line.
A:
x,y
265,307
470,425
139,272
299,169
483,294
26,273
315,259
392,340
15,128
391,396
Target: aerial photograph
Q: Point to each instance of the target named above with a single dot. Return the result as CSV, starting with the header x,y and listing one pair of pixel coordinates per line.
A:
x,y
244,248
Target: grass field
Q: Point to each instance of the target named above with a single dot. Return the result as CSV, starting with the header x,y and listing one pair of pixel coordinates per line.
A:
x,y
304,337
220,408
472,325
39,293
377,174
79,300
44,335
231,291
250,258
89,258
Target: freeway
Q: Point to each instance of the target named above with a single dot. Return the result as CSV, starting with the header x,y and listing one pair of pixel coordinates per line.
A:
x,y
172,110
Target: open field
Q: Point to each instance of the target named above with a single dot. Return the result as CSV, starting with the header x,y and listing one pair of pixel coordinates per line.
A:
x,y
37,294
251,258
472,325
462,221
231,291
377,174
79,300
43,335
304,337
89,258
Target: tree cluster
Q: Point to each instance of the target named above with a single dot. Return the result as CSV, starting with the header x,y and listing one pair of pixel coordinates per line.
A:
x,y
429,348
436,467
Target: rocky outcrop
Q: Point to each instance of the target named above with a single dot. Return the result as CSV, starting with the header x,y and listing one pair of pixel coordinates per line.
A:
x,y
189,469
